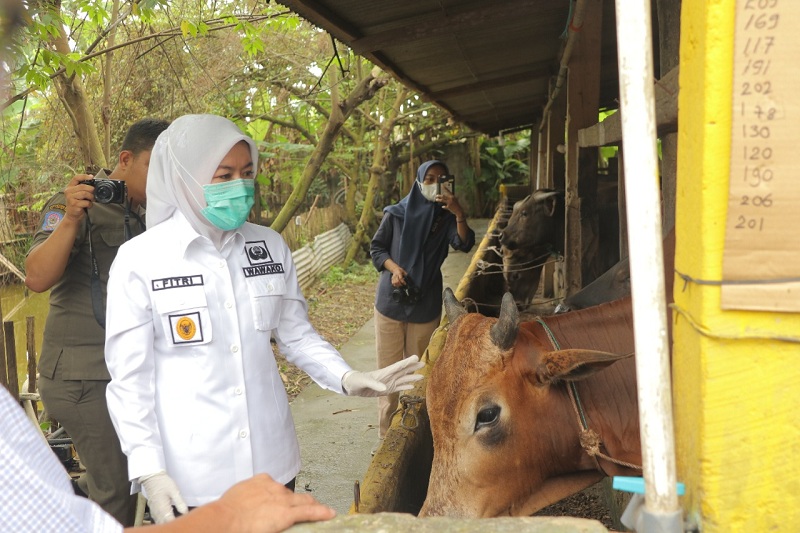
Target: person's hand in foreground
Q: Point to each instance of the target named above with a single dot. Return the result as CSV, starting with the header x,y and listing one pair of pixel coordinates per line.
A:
x,y
256,505
397,377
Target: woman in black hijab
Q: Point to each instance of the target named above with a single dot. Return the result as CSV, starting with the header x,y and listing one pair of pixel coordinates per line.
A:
x,y
408,250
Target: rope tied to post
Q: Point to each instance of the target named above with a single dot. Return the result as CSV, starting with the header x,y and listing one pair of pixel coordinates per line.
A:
x,y
408,406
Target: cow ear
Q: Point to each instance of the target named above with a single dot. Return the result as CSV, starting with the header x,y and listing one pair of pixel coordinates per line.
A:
x,y
573,365
550,205
549,199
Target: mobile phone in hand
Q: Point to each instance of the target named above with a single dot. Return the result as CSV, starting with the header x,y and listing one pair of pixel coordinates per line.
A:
x,y
447,183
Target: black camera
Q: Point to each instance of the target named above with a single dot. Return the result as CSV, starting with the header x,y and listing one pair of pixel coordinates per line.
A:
x,y
407,294
108,191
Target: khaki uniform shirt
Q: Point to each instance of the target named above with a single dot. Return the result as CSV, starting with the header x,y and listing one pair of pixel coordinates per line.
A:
x,y
72,336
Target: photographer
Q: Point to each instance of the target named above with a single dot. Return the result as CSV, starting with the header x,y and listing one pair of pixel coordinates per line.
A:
x,y
408,250
77,238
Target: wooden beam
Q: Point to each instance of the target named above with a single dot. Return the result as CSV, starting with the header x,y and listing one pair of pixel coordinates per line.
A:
x,y
11,267
610,130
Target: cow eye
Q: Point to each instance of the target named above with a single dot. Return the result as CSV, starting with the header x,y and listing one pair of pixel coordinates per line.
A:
x,y
524,213
487,417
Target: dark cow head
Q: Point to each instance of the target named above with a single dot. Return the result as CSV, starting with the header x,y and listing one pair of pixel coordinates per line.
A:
x,y
534,230
504,434
535,221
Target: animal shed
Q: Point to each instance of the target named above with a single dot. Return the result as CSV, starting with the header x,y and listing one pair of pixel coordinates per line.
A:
x,y
499,67
736,462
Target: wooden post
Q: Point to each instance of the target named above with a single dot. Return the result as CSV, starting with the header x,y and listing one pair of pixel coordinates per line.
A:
x,y
669,32
589,218
535,156
30,330
556,131
554,178
622,206
11,359
583,90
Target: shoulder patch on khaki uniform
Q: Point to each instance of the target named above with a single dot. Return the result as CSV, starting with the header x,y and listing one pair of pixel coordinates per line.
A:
x,y
52,217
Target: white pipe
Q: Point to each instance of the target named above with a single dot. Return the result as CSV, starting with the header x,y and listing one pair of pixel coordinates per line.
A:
x,y
635,53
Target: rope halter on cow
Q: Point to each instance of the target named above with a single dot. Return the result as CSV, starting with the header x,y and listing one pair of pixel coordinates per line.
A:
x,y
590,440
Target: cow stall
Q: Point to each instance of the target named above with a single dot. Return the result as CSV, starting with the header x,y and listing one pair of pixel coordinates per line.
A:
x,y
734,366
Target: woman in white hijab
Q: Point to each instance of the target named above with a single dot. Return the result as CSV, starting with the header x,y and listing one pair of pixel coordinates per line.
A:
x,y
195,392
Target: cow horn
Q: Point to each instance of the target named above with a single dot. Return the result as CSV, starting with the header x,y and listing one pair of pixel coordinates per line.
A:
x,y
504,331
452,307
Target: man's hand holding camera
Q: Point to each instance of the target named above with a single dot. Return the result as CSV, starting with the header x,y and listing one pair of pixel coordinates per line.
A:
x,y
80,197
84,190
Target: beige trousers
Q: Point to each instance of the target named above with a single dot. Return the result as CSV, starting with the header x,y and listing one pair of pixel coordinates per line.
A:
x,y
394,341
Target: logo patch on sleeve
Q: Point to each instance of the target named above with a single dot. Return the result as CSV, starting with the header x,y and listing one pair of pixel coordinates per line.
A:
x,y
51,219
186,328
260,260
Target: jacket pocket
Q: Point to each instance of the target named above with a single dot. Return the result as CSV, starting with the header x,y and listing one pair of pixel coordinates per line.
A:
x,y
113,238
266,296
184,315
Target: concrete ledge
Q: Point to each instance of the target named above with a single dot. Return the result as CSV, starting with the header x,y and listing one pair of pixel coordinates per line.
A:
x,y
405,522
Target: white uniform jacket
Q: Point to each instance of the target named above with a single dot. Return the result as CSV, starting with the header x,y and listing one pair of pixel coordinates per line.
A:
x,y
195,389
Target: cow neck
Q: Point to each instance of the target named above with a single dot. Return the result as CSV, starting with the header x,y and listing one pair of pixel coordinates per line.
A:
x,y
590,440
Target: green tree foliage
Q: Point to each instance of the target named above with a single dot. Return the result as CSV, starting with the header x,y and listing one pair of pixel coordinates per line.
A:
x,y
279,78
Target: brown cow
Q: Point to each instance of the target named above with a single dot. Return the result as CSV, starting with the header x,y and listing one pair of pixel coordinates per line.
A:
x,y
505,433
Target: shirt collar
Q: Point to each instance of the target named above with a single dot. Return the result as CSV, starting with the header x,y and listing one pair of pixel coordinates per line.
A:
x,y
186,236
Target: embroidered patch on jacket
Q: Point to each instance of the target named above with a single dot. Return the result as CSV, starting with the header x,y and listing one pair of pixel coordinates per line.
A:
x,y
51,219
260,260
177,282
186,328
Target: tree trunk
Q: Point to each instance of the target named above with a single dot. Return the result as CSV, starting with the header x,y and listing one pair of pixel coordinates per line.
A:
x,y
108,79
379,157
72,95
365,90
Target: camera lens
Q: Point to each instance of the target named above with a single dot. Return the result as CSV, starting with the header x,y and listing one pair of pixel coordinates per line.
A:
x,y
397,295
103,192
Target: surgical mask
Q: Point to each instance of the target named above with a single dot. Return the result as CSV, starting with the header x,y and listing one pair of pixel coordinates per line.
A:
x,y
429,191
228,203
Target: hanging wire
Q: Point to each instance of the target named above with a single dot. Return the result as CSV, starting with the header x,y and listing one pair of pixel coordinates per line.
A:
x,y
706,332
563,35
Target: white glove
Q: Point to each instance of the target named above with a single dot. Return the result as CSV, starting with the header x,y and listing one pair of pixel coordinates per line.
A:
x,y
397,377
162,493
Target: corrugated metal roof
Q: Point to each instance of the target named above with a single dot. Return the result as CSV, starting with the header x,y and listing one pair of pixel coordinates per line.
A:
x,y
488,63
